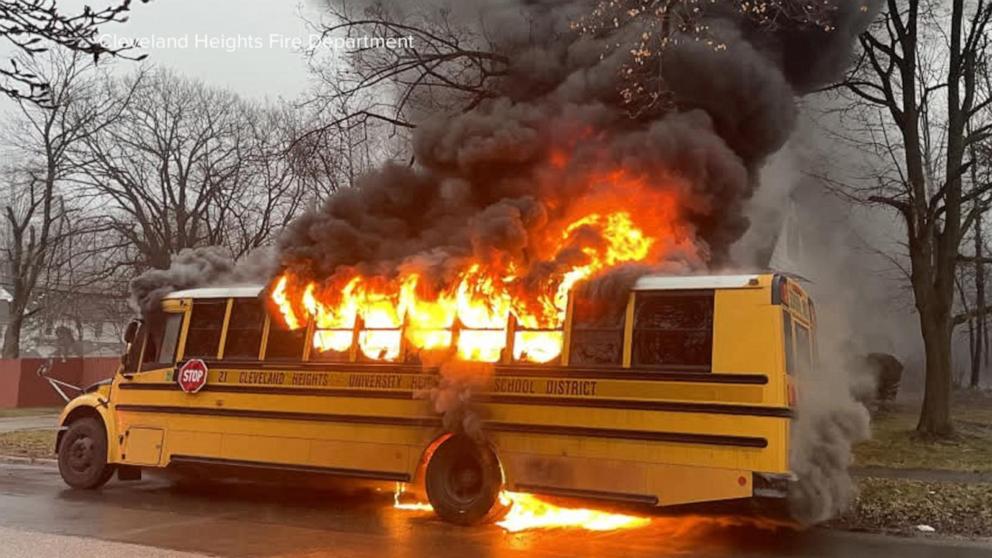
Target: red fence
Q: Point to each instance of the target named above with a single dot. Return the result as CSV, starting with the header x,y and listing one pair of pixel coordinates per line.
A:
x,y
20,385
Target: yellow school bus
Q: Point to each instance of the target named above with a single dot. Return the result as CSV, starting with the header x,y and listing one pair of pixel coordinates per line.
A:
x,y
684,395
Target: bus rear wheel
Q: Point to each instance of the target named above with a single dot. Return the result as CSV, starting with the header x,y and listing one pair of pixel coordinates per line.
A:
x,y
463,482
83,455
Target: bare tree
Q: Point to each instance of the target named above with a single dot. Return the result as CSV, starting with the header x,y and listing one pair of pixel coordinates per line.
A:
x,y
168,166
663,23
34,218
33,26
455,60
446,66
274,187
328,156
186,166
452,63
973,277
41,214
971,303
915,92
980,347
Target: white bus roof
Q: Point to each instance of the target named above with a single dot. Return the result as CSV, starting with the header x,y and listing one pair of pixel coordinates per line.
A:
x,y
646,283
671,282
236,291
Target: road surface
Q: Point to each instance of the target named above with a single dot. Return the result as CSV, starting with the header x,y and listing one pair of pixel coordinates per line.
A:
x,y
39,516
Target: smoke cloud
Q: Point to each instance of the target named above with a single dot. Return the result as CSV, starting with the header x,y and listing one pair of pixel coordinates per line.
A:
x,y
487,180
830,420
198,267
844,275
452,396
189,268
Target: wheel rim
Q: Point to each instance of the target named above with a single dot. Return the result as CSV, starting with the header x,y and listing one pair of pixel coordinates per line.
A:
x,y
465,480
81,455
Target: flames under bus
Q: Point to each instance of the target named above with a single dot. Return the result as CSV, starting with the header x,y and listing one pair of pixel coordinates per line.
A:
x,y
683,396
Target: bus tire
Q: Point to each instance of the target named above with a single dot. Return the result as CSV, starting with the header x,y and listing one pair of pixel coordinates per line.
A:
x,y
463,482
83,455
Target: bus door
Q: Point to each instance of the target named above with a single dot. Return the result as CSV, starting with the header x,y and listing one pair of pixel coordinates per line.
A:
x,y
150,359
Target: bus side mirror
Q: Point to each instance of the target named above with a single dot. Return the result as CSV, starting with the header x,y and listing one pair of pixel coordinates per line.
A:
x,y
131,331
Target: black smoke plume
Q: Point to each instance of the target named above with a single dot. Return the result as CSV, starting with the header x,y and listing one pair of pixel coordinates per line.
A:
x,y
485,176
451,398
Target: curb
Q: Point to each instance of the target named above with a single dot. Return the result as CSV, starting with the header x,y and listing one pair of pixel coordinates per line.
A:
x,y
24,460
924,475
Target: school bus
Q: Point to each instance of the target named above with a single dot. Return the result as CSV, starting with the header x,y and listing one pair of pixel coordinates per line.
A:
x,y
685,395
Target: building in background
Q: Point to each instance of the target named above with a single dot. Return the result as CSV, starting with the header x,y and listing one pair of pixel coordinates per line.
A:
x,y
5,299
69,324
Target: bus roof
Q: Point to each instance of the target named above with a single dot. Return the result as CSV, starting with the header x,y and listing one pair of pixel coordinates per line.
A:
x,y
646,283
235,291
672,282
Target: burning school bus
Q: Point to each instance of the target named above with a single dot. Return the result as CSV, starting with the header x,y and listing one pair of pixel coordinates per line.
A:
x,y
683,394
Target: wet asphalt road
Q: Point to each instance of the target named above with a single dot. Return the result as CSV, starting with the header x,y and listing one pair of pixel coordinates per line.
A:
x,y
252,520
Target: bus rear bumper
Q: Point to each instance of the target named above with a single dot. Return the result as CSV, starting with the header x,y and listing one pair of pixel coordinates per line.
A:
x,y
772,485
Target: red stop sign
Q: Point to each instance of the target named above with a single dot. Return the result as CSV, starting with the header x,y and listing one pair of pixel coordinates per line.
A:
x,y
192,375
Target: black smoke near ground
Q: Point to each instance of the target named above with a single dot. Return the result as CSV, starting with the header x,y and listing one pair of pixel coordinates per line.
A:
x,y
828,423
452,396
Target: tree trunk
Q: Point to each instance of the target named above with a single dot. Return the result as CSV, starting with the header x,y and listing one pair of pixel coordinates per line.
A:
x,y
976,360
12,336
935,417
973,351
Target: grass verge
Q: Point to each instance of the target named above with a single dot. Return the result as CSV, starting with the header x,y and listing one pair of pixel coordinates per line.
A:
x,y
29,412
899,506
895,444
28,443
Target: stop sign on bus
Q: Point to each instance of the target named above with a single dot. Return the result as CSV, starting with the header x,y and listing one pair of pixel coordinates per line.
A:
x,y
192,375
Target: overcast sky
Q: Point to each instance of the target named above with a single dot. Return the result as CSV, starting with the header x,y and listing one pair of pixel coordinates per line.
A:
x,y
263,62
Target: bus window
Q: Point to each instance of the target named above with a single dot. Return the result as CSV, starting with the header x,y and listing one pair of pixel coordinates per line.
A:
x,y
284,343
332,345
244,329
170,339
134,349
804,352
205,323
790,351
379,344
425,342
161,340
597,332
673,329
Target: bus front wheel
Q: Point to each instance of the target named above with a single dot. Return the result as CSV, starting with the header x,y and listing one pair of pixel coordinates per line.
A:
x,y
83,455
463,482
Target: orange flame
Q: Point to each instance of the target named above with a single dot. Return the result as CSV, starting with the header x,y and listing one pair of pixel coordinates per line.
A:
x,y
471,317
527,511
408,506
282,301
